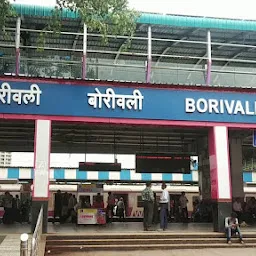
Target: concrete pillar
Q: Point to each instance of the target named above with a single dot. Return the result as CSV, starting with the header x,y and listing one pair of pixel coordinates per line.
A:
x,y
236,165
220,175
42,149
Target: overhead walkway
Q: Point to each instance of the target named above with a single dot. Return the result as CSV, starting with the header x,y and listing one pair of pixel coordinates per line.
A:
x,y
178,49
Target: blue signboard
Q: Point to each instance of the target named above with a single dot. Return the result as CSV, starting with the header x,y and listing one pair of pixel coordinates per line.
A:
x,y
76,100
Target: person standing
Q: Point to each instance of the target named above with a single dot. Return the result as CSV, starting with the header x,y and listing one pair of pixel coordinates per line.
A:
x,y
237,208
110,207
183,204
58,206
164,203
121,209
155,213
148,201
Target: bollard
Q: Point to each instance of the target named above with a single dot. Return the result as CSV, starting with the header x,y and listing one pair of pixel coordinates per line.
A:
x,y
24,245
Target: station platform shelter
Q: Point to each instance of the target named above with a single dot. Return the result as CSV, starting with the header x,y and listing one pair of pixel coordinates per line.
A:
x,y
187,89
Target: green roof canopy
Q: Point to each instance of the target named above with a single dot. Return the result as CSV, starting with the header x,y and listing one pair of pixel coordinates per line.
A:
x,y
154,19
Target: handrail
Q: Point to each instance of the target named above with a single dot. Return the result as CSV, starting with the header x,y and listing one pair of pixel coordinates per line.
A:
x,y
35,243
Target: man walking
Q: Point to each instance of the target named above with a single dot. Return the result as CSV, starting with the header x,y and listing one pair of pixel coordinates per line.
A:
x,y
148,201
164,203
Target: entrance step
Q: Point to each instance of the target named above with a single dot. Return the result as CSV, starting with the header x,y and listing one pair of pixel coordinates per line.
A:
x,y
141,241
81,242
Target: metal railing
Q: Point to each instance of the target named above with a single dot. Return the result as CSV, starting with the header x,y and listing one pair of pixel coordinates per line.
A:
x,y
36,238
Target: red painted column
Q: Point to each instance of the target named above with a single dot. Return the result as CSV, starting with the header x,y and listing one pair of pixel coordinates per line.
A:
x,y
221,192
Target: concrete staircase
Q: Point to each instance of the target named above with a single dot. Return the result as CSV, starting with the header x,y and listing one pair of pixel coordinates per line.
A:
x,y
58,244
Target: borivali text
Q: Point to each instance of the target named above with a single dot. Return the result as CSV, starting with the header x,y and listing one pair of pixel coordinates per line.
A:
x,y
220,106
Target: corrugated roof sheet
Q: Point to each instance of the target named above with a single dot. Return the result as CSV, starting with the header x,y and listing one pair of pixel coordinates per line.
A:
x,y
153,19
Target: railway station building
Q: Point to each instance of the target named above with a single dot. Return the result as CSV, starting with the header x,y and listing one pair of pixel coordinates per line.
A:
x,y
186,86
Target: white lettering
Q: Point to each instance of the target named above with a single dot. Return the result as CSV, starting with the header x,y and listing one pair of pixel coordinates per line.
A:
x,y
7,95
5,91
109,97
239,108
135,101
111,100
221,106
229,106
190,105
32,95
247,109
204,104
213,106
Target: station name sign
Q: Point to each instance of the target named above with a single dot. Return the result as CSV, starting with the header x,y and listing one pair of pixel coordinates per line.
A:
x,y
72,99
221,106
111,100
9,95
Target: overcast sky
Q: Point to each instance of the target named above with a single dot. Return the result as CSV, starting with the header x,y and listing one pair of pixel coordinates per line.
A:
x,y
218,8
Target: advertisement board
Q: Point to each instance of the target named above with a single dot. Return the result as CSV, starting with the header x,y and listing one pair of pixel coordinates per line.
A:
x,y
87,216
91,216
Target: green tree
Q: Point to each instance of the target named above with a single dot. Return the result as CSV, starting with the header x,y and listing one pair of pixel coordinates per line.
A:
x,y
6,11
102,16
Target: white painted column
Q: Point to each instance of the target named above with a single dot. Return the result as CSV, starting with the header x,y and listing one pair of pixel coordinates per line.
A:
x,y
149,59
42,150
17,46
219,163
84,58
209,58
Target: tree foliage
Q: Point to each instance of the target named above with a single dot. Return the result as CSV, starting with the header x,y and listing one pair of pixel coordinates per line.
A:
x,y
104,16
6,11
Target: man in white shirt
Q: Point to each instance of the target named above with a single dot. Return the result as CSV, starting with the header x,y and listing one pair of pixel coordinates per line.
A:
x,y
164,203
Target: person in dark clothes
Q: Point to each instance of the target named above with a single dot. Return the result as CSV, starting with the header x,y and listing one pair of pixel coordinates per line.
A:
x,y
58,206
155,212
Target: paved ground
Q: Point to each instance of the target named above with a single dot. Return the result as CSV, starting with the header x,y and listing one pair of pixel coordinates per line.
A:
x,y
10,246
11,243
198,252
115,227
